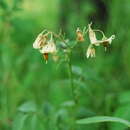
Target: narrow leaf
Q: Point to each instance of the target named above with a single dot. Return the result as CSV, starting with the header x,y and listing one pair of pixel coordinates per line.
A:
x,y
97,119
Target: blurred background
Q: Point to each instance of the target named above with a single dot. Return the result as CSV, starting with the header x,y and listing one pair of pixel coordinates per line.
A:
x,y
37,96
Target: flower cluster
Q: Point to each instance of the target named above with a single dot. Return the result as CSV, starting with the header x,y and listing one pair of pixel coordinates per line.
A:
x,y
95,42
45,41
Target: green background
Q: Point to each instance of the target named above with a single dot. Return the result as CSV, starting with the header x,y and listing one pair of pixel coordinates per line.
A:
x,y
37,96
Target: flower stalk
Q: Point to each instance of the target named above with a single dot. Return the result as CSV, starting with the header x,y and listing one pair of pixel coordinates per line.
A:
x,y
71,76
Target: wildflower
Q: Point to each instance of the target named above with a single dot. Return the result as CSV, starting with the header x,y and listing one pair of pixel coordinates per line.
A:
x,y
50,47
40,41
107,41
90,51
80,36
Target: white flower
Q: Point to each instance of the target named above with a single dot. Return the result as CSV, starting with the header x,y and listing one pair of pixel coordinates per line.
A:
x,y
93,39
50,47
90,51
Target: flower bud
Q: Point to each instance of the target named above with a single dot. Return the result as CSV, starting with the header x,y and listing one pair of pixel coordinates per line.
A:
x,y
80,36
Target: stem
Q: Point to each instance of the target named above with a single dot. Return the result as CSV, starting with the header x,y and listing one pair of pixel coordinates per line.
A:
x,y
71,78
60,37
74,108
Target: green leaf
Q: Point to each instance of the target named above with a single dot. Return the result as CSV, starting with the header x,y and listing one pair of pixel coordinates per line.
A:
x,y
122,112
34,121
97,119
77,70
28,107
19,122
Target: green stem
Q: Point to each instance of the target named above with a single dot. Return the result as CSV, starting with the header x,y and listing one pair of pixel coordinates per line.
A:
x,y
71,77
74,108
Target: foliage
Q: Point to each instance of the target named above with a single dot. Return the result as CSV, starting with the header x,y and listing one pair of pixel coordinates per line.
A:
x,y
35,95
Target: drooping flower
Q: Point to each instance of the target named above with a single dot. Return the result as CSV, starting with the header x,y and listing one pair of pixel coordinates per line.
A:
x,y
90,51
40,41
50,47
92,36
95,42
80,36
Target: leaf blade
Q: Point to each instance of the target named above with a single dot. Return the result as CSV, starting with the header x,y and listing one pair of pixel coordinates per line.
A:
x,y
98,119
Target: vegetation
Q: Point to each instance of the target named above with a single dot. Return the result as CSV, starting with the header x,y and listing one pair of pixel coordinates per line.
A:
x,y
71,91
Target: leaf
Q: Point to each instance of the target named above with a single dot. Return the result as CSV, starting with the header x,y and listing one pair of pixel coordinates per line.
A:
x,y
98,119
28,107
77,70
34,121
122,112
19,121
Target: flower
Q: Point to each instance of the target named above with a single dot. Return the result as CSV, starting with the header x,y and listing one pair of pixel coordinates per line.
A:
x,y
90,51
40,41
92,36
105,41
50,47
80,36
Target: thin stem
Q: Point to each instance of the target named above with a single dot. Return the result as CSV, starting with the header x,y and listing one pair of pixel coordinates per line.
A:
x,y
71,78
60,37
72,89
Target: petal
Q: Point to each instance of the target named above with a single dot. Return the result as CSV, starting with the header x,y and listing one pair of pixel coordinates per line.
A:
x,y
37,42
48,48
92,35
